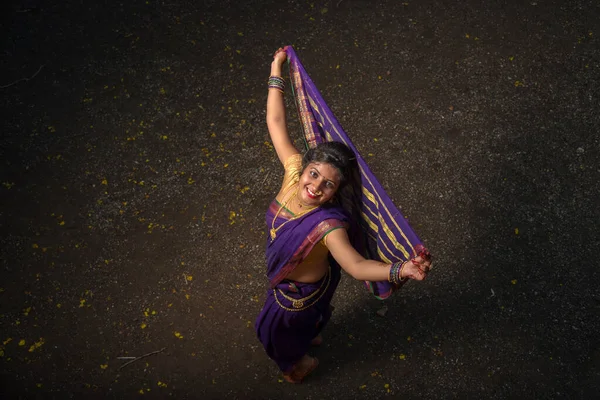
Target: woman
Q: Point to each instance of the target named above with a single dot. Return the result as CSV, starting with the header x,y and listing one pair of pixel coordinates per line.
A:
x,y
311,236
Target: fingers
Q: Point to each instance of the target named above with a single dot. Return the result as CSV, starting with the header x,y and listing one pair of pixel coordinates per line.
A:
x,y
279,50
423,271
415,270
417,274
422,263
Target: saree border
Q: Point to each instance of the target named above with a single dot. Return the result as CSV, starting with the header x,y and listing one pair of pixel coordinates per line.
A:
x,y
305,248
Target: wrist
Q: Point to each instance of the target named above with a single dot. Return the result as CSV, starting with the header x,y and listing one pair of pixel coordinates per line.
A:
x,y
276,82
395,273
400,277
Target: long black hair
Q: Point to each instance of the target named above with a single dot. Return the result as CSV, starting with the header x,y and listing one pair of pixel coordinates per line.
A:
x,y
336,154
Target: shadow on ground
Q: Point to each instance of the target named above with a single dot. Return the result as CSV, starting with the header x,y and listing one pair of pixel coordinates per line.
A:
x,y
136,170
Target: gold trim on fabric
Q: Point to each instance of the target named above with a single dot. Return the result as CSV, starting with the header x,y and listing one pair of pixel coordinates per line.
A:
x,y
368,220
306,117
307,120
382,256
369,196
299,303
382,241
390,234
366,191
385,228
285,209
323,228
371,183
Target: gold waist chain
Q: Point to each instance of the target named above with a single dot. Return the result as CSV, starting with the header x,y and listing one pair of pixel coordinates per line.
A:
x,y
299,304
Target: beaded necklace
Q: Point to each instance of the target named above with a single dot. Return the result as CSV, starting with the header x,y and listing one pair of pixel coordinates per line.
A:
x,y
273,230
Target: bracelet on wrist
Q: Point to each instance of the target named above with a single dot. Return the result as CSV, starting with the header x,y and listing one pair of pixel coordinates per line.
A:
x,y
400,278
277,82
395,276
392,273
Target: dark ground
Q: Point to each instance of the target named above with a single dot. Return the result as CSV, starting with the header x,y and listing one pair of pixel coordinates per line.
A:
x,y
136,170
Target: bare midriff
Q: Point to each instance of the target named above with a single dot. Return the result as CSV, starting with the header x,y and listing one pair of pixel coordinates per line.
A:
x,y
315,265
309,272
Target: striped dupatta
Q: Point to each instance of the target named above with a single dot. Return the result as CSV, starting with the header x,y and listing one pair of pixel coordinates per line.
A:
x,y
389,238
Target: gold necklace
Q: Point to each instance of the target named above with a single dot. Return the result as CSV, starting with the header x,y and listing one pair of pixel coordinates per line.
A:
x,y
298,201
274,230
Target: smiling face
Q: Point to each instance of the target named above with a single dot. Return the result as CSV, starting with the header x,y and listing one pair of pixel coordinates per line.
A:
x,y
318,184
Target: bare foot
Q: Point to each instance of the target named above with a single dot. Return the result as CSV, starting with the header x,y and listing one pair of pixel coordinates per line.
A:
x,y
305,366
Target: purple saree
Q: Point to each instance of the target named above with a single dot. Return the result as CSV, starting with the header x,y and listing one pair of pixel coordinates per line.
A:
x,y
297,238
388,236
294,313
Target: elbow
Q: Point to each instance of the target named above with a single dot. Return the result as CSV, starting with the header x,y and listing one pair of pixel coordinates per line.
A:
x,y
353,272
356,277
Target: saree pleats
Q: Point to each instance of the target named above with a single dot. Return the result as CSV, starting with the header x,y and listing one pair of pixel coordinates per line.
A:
x,y
286,330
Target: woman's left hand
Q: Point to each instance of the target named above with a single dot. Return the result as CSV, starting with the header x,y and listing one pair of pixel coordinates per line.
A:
x,y
417,268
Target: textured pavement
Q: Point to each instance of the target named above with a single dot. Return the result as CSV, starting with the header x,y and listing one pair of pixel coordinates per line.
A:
x,y
136,170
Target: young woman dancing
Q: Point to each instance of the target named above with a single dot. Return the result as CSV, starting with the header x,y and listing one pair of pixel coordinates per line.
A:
x,y
311,237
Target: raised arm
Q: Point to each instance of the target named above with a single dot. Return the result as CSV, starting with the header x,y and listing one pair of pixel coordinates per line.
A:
x,y
369,270
276,114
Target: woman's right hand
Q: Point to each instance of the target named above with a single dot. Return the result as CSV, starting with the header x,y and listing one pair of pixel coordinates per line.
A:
x,y
280,55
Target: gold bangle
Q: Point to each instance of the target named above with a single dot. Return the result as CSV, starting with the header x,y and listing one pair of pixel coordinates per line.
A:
x,y
400,278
